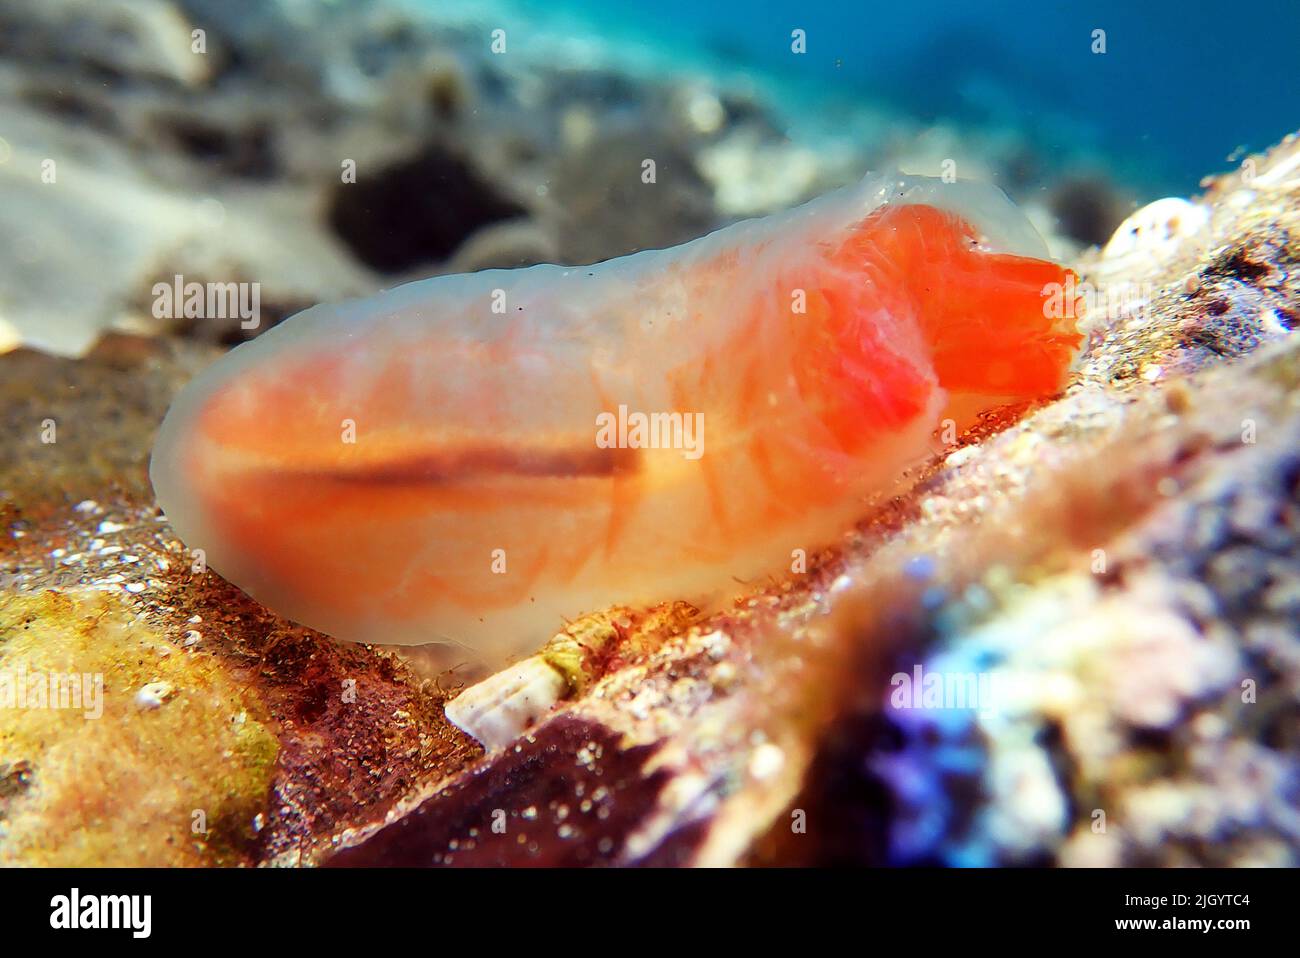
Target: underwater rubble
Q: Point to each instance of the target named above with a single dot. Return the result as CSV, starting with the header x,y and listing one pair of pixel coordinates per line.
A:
x,y
1120,567
324,151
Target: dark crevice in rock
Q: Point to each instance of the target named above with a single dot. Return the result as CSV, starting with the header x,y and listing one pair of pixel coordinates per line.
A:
x,y
15,779
247,151
415,211
1088,208
1236,264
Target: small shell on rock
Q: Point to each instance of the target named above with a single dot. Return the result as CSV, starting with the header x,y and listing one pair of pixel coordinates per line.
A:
x,y
153,695
1157,229
499,709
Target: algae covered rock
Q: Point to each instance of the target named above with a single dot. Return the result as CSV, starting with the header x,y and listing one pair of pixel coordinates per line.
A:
x,y
132,751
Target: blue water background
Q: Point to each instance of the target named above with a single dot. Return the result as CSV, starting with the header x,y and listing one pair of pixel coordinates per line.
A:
x,y
1182,86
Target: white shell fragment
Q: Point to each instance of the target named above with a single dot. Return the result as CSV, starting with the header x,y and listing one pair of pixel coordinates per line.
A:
x,y
1157,229
499,709
153,695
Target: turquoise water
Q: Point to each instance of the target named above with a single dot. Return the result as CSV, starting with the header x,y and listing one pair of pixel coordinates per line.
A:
x,y
1180,87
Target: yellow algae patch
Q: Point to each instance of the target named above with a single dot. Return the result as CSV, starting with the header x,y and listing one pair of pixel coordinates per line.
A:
x,y
117,747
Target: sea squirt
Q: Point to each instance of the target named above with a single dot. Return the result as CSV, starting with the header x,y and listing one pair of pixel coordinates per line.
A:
x,y
474,458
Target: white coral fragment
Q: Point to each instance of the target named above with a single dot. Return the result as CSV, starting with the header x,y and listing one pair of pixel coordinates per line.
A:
x,y
499,709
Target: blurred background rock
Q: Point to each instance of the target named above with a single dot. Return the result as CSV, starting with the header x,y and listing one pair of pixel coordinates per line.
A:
x,y
227,164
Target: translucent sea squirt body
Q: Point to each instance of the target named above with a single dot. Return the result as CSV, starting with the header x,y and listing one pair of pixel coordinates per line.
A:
x,y
475,458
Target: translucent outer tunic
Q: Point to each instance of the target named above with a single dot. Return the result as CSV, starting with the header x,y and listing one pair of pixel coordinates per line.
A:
x,y
458,459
